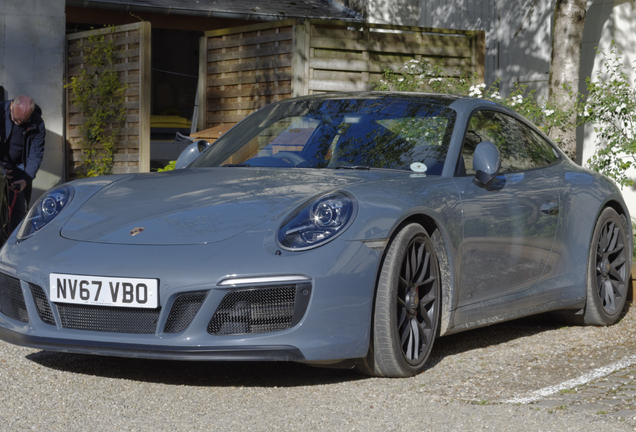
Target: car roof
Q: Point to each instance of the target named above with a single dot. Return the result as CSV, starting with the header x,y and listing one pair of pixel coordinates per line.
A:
x,y
457,102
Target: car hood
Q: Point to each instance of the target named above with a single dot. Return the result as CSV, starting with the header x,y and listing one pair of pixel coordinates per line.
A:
x,y
195,206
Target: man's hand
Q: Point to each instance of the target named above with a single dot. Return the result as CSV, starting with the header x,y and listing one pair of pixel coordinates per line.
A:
x,y
17,186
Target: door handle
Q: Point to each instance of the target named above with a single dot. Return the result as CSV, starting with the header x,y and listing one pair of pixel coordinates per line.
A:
x,y
550,208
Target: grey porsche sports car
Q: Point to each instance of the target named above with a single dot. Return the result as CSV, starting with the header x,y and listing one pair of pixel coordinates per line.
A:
x,y
347,230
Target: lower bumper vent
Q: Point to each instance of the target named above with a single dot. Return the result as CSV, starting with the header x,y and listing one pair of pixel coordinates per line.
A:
x,y
42,304
108,319
11,299
183,311
260,310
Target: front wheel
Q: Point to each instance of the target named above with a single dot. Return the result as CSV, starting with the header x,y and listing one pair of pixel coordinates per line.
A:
x,y
608,270
406,311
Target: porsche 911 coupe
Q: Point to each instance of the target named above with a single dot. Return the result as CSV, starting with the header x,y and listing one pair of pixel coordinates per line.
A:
x,y
344,230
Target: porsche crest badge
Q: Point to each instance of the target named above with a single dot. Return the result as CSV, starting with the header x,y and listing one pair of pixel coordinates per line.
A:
x,y
136,231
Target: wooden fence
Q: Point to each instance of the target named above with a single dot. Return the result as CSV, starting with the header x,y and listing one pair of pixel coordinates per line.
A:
x,y
133,67
244,68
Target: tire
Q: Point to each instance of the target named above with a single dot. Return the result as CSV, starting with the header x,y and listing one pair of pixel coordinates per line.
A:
x,y
608,270
406,311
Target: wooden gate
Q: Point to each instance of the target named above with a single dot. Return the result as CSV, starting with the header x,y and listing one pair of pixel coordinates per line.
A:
x,y
244,68
133,67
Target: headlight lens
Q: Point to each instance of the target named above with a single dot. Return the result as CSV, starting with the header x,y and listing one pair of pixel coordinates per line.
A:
x,y
318,222
44,210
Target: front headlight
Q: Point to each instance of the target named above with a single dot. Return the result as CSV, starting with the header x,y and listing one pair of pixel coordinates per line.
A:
x,y
318,222
44,210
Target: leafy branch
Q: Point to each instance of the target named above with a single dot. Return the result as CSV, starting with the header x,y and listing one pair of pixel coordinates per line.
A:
x,y
100,96
420,75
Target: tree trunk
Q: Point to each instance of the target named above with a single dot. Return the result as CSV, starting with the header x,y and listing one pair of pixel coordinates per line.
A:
x,y
569,20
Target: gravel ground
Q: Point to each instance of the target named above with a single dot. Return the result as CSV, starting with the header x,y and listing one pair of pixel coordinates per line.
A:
x,y
471,378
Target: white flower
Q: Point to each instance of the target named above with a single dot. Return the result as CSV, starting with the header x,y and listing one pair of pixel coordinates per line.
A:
x,y
620,108
548,112
495,95
475,91
401,79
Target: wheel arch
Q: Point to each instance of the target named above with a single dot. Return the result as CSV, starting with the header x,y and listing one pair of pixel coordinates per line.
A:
x,y
620,208
442,242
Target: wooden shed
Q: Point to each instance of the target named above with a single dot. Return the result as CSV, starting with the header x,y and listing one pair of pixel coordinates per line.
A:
x,y
242,69
245,68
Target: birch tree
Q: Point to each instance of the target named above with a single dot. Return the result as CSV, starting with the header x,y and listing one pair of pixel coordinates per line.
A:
x,y
569,20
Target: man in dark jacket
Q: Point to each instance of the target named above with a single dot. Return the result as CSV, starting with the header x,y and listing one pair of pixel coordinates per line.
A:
x,y
22,136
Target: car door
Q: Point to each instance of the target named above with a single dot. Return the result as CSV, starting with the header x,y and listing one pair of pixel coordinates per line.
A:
x,y
509,226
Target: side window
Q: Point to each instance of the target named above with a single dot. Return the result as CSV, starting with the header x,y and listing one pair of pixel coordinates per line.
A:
x,y
540,152
501,130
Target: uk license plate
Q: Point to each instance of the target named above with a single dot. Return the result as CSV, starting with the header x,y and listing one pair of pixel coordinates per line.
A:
x,y
104,291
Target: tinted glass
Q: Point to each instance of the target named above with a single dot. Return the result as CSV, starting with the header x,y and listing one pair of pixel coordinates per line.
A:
x,y
540,152
376,133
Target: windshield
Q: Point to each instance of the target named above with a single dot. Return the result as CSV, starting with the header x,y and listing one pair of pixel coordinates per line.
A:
x,y
403,134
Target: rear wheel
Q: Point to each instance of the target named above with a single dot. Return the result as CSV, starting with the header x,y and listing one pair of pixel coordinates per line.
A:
x,y
608,270
406,311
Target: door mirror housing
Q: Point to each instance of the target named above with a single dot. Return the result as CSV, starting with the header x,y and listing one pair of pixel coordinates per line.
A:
x,y
486,163
191,152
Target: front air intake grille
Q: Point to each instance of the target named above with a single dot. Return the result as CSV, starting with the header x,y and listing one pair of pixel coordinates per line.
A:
x,y
108,319
42,304
11,299
183,310
260,310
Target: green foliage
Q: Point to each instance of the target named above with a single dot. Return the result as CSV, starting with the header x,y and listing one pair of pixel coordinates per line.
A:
x,y
99,95
610,106
419,75
168,167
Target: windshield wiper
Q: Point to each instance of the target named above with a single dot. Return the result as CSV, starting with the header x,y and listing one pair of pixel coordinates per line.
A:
x,y
236,165
354,167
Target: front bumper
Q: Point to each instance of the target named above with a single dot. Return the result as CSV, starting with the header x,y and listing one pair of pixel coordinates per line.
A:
x,y
333,323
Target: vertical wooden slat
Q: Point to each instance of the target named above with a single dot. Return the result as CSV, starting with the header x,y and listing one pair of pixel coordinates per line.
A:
x,y
481,55
67,110
307,56
203,90
145,74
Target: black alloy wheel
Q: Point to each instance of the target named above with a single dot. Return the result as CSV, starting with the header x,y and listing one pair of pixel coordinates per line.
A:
x,y
608,269
407,305
417,300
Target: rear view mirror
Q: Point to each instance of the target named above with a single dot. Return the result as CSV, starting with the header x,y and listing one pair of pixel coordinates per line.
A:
x,y
190,153
486,163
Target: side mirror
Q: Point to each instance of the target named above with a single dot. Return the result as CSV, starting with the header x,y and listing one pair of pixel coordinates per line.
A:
x,y
486,163
190,153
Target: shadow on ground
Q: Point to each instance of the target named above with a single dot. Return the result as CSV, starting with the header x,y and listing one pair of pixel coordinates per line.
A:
x,y
270,374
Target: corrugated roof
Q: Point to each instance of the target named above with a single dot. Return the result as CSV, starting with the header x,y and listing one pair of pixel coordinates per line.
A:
x,y
236,9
